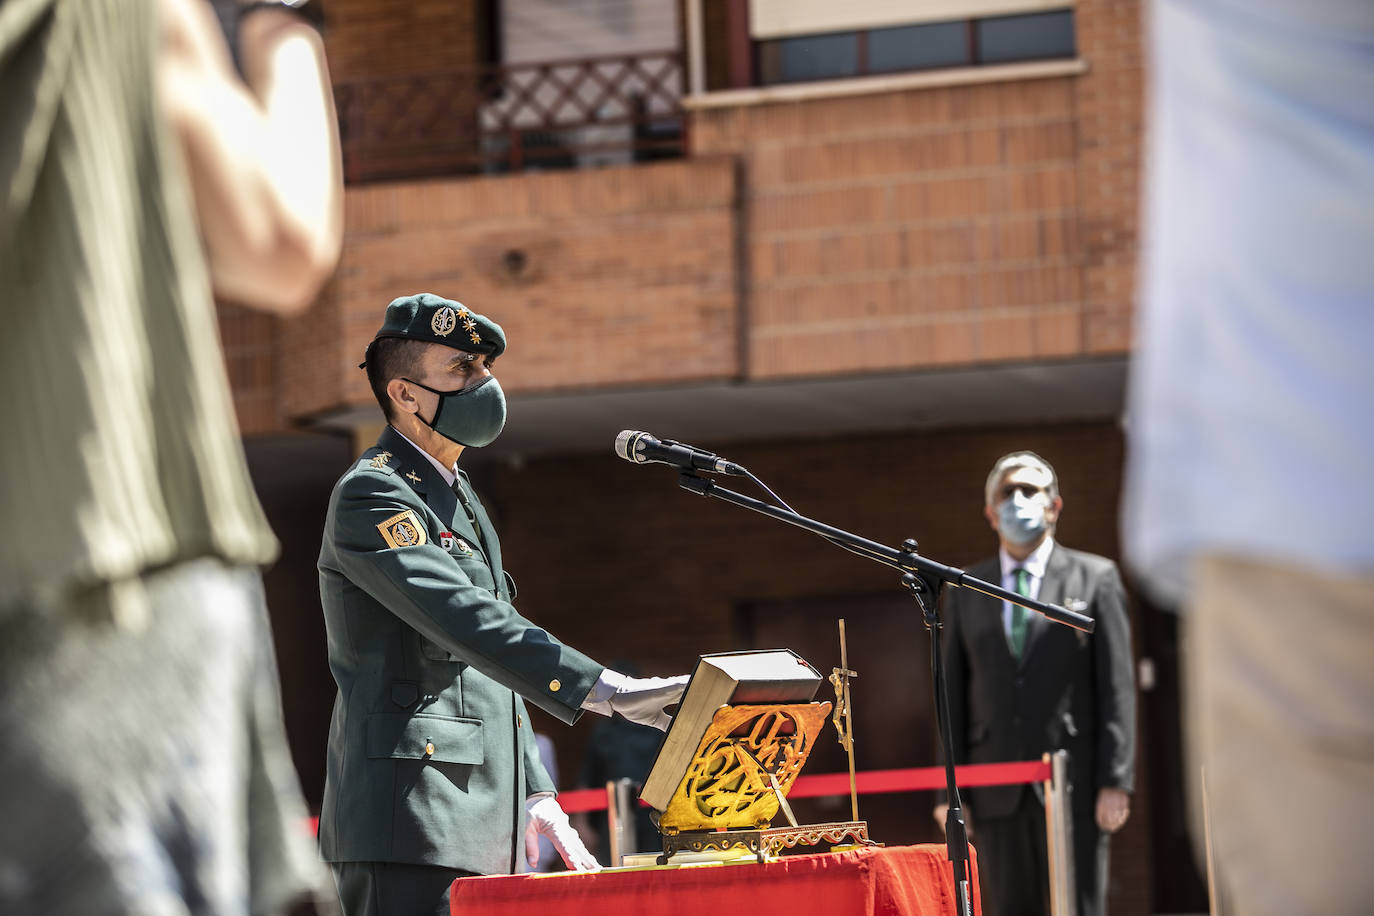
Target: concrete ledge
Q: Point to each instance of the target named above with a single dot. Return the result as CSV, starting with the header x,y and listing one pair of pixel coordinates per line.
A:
x,y
869,85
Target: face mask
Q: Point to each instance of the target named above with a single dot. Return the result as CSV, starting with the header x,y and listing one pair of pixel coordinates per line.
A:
x,y
1021,518
473,416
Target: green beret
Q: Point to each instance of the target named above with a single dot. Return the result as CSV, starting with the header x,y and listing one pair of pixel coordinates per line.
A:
x,y
432,318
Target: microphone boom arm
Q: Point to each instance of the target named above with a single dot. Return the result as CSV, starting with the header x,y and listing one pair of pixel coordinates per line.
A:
x,y
925,580
906,562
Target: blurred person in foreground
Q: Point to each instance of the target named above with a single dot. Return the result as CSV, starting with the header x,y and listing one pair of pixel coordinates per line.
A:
x,y
433,771
143,765
1248,498
1021,685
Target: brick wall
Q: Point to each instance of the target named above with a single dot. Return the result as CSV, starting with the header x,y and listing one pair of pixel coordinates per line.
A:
x,y
954,224
611,277
385,57
1110,108
935,226
369,38
249,340
948,225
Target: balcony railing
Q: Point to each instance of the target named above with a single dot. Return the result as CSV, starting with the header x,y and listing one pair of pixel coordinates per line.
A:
x,y
555,114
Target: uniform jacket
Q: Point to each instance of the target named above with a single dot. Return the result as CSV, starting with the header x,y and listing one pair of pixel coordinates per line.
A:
x,y
431,754
1070,690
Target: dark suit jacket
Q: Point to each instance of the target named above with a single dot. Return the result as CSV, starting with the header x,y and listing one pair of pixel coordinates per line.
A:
x,y
1070,690
431,754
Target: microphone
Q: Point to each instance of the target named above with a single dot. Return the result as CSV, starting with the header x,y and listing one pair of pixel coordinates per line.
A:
x,y
641,447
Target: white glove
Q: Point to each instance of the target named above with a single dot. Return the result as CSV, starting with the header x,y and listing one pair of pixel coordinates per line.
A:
x,y
639,699
546,817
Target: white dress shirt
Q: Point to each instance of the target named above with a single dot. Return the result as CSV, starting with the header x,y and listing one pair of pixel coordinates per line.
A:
x,y
449,474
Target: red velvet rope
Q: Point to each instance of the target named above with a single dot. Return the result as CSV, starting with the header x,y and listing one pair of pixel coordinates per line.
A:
x,y
871,782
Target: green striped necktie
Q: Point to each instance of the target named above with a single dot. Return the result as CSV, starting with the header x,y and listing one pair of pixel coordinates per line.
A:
x,y
1020,617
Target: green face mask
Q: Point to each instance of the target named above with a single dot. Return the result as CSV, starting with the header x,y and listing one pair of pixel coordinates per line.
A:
x,y
472,416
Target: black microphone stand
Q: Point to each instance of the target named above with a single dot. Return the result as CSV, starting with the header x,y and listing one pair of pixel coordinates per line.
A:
x,y
924,579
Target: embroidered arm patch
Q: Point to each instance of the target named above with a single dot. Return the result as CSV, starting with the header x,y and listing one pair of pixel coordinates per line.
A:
x,y
403,530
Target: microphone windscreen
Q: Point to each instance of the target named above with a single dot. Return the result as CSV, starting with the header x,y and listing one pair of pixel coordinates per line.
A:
x,y
625,444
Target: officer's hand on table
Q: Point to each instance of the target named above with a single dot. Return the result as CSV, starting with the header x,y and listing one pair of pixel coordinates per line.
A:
x,y
546,817
639,699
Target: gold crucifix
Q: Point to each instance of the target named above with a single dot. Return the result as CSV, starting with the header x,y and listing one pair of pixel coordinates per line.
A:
x,y
839,678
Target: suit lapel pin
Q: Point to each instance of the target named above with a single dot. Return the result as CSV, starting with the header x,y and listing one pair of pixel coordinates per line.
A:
x,y
446,540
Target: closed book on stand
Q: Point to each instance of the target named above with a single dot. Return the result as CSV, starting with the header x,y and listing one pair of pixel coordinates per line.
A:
x,y
762,677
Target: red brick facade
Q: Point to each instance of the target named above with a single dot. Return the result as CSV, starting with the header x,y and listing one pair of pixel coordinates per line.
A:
x,y
918,227
935,226
613,277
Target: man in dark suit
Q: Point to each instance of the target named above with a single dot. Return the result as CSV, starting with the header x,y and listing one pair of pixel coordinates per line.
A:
x,y
433,772
1020,685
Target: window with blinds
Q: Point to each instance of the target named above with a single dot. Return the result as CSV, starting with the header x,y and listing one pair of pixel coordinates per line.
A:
x,y
964,42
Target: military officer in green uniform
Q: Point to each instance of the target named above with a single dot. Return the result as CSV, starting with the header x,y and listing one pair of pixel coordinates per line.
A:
x,y
432,768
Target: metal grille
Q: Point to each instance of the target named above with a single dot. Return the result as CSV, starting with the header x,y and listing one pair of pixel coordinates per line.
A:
x,y
554,114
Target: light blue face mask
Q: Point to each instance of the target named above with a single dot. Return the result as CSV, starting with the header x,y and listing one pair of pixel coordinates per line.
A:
x,y
1020,518
472,416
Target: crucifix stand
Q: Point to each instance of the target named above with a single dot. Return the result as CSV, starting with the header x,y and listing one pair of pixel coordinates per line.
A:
x,y
843,719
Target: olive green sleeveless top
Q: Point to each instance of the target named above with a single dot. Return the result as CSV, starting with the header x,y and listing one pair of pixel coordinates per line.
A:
x,y
120,450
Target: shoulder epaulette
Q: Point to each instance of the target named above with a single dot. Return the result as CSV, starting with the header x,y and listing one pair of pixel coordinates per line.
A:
x,y
380,461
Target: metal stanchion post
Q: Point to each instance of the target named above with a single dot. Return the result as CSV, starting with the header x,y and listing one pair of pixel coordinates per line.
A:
x,y
629,839
1059,836
620,819
613,824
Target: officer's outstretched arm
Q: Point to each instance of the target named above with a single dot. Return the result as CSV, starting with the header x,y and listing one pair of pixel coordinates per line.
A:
x,y
435,593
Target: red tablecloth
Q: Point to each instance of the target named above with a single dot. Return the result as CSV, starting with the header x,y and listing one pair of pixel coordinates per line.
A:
x,y
875,881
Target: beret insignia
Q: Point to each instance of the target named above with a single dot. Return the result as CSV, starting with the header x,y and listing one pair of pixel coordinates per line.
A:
x,y
403,530
427,317
444,321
